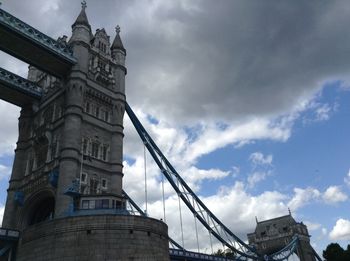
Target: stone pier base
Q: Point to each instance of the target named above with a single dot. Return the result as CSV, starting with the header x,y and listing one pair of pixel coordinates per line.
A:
x,y
99,237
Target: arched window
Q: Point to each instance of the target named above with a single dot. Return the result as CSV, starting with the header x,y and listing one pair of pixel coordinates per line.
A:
x,y
87,107
41,148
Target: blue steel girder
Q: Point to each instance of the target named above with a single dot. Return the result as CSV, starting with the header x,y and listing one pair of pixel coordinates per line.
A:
x,y
17,90
32,46
192,201
204,215
285,252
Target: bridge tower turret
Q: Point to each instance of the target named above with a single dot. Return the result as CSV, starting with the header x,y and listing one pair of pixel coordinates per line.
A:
x,y
65,195
270,236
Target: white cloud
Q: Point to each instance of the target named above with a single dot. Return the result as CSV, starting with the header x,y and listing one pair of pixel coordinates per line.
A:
x,y
8,128
259,159
324,231
194,175
322,113
5,171
235,171
341,230
347,179
312,226
2,209
230,199
256,177
213,137
333,195
317,111
303,197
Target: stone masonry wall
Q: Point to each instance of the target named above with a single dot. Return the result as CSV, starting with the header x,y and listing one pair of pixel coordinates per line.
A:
x,y
100,237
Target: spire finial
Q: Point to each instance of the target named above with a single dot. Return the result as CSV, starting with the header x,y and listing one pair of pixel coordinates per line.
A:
x,y
117,29
83,4
290,213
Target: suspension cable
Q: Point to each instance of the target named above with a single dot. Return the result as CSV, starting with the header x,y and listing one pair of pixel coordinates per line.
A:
x,y
163,197
218,229
180,212
211,243
195,224
145,166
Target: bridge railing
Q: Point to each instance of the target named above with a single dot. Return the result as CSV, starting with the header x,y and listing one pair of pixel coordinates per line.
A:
x,y
21,84
195,255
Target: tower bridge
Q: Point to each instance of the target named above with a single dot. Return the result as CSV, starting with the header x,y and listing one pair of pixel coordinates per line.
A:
x,y
61,206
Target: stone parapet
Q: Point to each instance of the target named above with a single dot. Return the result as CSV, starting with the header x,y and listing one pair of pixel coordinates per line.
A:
x,y
103,237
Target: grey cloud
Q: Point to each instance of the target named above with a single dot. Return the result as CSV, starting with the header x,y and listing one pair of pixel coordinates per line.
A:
x,y
236,59
214,60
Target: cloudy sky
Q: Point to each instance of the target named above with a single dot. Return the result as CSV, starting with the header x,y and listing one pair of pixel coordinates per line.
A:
x,y
250,101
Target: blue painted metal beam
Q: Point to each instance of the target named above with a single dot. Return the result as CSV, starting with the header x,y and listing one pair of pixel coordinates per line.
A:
x,y
285,252
195,205
17,90
32,46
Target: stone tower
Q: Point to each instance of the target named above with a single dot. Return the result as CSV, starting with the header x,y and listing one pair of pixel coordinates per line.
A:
x,y
65,193
272,235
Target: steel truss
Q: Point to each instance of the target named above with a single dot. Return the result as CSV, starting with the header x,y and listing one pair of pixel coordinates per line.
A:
x,y
196,206
243,251
285,252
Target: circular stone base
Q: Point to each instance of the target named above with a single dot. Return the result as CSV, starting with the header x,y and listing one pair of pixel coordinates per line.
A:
x,y
100,237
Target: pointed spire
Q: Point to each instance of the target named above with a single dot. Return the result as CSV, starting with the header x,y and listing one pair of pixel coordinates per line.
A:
x,y
82,18
117,43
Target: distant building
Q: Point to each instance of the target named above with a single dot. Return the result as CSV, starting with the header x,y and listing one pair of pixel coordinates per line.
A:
x,y
272,235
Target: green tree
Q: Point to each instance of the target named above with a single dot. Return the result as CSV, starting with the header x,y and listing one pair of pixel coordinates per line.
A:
x,y
219,253
227,253
334,252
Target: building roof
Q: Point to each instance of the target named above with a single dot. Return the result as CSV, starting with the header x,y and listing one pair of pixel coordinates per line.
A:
x,y
286,218
274,226
117,43
82,18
